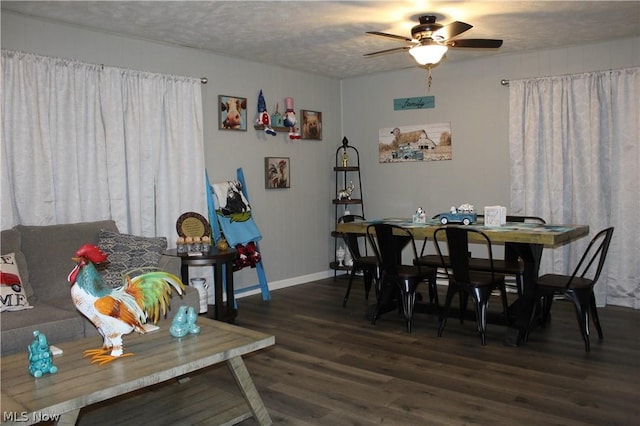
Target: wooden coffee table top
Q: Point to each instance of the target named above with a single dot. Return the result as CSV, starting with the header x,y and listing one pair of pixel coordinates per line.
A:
x,y
158,357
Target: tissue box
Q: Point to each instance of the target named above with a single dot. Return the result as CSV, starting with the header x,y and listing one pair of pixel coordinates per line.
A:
x,y
495,215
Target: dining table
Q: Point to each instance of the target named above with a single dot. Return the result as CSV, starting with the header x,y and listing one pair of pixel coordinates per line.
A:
x,y
528,239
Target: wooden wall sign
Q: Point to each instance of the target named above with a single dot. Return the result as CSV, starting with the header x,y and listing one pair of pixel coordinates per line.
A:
x,y
420,102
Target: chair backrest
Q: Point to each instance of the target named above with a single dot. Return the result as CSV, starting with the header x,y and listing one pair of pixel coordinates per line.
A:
x,y
457,238
510,253
388,242
352,240
527,219
596,251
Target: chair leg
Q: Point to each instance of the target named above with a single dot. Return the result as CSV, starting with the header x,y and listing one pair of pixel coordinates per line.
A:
x,y
581,300
368,279
346,296
594,315
519,284
433,293
384,295
505,304
538,308
481,299
546,309
444,314
376,282
408,292
464,299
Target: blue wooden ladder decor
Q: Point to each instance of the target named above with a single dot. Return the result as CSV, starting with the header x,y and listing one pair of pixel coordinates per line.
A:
x,y
216,233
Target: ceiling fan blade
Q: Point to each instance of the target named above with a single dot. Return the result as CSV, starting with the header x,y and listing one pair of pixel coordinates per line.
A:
x,y
483,43
451,30
395,49
393,36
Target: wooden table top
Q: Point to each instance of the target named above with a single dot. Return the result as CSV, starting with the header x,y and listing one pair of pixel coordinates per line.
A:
x,y
532,233
158,357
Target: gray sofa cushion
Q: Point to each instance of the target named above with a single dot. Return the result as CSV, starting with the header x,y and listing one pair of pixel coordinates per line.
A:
x,y
127,252
9,241
48,254
59,325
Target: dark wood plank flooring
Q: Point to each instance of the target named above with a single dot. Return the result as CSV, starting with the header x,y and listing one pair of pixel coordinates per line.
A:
x,y
331,366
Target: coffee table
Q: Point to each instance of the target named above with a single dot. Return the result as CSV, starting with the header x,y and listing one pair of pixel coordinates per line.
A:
x,y
158,357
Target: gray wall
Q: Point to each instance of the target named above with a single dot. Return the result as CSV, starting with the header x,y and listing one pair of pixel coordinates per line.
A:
x,y
296,223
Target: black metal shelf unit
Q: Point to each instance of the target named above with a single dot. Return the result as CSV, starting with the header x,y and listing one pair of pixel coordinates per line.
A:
x,y
347,170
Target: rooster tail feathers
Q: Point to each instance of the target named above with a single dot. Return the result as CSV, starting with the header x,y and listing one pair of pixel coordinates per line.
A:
x,y
152,290
160,278
122,307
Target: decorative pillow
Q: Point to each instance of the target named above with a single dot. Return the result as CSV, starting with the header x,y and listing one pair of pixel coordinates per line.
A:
x,y
127,252
13,296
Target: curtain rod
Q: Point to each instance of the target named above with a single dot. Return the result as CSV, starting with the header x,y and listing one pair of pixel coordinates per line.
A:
x,y
204,80
504,82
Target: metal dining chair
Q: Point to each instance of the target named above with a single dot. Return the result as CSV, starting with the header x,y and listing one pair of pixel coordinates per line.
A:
x,y
578,287
464,280
511,266
366,264
388,242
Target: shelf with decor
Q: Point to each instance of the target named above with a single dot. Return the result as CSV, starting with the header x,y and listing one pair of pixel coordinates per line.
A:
x,y
276,128
348,194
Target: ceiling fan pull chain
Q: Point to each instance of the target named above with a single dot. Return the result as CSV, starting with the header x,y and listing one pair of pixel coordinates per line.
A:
x,y
429,79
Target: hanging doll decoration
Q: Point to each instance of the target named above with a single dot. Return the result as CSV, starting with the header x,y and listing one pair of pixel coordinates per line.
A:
x,y
290,119
263,116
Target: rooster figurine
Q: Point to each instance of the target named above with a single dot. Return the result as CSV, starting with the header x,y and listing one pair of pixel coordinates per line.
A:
x,y
117,311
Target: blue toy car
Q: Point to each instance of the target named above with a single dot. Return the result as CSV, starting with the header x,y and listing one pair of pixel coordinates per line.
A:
x,y
465,218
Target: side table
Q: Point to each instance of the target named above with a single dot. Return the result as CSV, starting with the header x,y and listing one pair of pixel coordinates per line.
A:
x,y
218,259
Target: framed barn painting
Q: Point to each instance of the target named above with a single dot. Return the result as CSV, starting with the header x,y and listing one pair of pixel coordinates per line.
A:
x,y
423,142
311,124
276,172
232,114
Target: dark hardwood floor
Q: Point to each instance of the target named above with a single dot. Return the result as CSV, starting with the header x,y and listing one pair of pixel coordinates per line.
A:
x,y
330,366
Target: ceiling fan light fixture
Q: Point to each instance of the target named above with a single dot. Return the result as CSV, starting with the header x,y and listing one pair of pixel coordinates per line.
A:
x,y
428,54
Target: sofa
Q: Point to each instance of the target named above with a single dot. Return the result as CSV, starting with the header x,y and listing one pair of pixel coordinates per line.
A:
x,y
42,256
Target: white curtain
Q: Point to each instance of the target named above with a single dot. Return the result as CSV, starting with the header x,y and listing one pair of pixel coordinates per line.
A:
x,y
575,158
83,142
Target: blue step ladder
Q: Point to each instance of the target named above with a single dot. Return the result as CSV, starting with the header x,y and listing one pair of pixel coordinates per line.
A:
x,y
262,284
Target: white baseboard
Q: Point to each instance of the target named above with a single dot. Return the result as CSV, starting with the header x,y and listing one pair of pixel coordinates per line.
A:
x,y
275,285
289,282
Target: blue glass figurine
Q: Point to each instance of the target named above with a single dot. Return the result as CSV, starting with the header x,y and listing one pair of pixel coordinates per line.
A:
x,y
184,322
40,356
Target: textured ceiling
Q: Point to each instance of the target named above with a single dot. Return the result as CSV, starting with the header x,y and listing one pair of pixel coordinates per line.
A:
x,y
328,37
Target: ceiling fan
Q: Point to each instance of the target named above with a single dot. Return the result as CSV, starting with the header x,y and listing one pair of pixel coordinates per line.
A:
x,y
430,40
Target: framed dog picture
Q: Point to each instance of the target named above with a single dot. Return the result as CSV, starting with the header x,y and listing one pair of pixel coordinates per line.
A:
x,y
232,114
276,172
311,124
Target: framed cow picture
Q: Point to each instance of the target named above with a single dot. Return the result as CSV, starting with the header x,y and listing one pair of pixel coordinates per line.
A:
x,y
232,113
